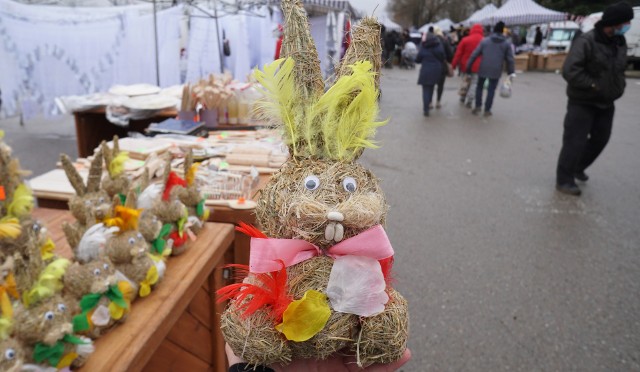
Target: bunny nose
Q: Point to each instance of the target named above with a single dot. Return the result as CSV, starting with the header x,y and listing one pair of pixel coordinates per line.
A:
x,y
335,216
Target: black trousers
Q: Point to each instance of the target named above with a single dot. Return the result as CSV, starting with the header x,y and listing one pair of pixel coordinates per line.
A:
x,y
586,132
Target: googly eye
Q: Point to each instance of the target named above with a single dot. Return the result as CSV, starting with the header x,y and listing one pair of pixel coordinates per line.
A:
x,y
140,236
97,272
101,200
36,227
9,354
48,315
349,184
132,241
311,182
62,307
105,266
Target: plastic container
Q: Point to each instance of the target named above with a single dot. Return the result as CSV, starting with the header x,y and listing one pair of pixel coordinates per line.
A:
x,y
232,109
210,118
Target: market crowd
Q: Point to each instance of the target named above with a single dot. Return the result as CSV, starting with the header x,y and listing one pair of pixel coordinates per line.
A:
x,y
594,72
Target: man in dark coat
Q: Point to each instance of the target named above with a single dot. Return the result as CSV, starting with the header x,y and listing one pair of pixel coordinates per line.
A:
x,y
495,51
431,57
594,71
537,41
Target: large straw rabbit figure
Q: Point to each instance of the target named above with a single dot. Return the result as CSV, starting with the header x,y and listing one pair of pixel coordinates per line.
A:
x,y
322,214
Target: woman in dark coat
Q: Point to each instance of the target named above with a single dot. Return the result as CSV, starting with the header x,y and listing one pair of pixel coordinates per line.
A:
x,y
431,57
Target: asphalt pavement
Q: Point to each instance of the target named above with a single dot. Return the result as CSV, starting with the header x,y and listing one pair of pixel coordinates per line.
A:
x,y
502,273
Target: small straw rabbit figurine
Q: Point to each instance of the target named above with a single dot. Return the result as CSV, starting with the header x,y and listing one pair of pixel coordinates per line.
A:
x,y
115,182
191,196
319,274
90,204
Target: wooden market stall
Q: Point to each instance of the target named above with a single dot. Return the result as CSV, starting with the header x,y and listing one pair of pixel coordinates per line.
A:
x,y
177,327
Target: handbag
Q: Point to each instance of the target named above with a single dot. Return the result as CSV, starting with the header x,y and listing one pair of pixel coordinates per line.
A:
x,y
449,70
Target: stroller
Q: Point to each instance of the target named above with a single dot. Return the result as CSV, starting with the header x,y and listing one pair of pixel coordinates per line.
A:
x,y
408,56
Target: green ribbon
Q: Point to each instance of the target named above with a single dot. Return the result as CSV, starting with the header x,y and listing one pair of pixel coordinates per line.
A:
x,y
90,301
53,354
200,208
123,198
159,243
181,222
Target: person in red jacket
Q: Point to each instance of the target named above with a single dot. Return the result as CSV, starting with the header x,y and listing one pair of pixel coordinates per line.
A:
x,y
463,52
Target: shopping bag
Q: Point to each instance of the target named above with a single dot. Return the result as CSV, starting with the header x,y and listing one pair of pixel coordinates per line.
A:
x,y
464,85
505,88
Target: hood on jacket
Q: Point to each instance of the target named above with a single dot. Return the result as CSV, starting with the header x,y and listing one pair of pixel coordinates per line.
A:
x,y
476,30
431,41
498,38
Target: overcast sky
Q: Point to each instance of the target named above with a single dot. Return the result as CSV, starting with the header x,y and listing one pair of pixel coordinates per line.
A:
x,y
369,5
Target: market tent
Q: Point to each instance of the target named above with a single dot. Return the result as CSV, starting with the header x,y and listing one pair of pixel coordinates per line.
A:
x,y
425,28
444,24
523,12
480,14
388,23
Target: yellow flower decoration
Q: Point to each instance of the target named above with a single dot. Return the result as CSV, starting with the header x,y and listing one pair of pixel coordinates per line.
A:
x,y
305,317
46,250
128,293
67,360
151,279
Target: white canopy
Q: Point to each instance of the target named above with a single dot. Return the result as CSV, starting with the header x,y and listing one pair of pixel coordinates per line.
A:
x,y
425,28
523,12
480,14
388,23
444,24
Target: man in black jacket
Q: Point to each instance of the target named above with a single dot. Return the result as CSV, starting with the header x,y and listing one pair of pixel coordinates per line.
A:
x,y
594,71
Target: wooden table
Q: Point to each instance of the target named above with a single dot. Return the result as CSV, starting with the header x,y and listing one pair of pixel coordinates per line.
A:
x,y
176,328
92,127
220,214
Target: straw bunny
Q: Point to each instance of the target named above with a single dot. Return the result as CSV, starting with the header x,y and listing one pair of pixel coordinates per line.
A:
x,y
90,204
319,274
115,182
191,196
129,250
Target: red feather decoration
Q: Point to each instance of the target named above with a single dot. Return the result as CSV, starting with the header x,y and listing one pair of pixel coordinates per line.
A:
x,y
250,230
172,180
178,241
269,291
386,264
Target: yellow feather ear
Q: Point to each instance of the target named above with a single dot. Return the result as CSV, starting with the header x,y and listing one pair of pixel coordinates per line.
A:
x,y
190,177
22,202
116,166
10,228
346,114
280,105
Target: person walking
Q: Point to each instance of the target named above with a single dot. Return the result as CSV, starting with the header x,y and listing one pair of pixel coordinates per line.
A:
x,y
448,56
495,50
431,57
594,71
461,57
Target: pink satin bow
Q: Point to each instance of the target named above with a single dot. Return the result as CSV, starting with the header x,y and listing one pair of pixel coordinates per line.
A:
x,y
265,253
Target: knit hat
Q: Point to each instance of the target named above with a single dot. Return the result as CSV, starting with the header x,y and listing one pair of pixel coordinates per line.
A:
x,y
499,27
616,14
